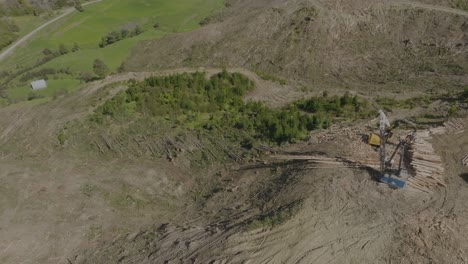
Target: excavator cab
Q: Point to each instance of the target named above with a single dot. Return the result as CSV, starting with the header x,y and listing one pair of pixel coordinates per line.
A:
x,y
374,138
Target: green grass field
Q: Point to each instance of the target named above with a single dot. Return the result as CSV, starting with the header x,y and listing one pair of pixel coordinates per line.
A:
x,y
87,28
53,87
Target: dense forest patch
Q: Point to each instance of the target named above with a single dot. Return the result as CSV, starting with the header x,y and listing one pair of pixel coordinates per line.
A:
x,y
195,102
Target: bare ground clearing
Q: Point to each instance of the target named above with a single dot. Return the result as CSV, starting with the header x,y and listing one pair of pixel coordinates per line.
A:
x,y
344,217
58,205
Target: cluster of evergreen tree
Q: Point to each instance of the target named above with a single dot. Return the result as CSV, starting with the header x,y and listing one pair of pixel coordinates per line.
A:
x,y
115,35
277,125
346,106
220,97
177,94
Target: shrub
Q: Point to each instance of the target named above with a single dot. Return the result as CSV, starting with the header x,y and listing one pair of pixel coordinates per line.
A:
x,y
78,6
47,52
75,47
460,4
86,76
100,68
61,137
453,109
465,93
205,21
32,95
63,49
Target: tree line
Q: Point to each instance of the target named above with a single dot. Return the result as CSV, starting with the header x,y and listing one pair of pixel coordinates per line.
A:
x,y
118,35
345,106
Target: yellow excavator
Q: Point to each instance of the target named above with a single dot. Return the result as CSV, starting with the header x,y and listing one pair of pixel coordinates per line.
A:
x,y
374,138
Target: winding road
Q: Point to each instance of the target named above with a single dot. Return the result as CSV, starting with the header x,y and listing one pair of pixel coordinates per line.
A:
x,y
67,12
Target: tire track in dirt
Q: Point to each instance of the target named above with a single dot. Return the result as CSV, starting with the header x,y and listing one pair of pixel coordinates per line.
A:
x,y
432,7
336,223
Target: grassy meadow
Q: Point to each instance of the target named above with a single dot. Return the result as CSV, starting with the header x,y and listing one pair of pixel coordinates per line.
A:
x,y
87,28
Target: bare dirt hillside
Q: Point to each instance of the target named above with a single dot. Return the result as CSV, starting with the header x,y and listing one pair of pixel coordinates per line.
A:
x,y
72,203
363,45
75,192
53,201
295,212
58,199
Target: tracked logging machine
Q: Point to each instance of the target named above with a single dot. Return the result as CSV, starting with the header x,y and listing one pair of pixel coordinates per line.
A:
x,y
386,164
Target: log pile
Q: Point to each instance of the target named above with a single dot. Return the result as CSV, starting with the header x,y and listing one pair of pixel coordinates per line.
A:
x,y
465,161
426,165
323,162
452,126
438,130
455,125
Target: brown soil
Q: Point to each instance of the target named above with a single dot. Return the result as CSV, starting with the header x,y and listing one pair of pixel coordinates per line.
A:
x,y
55,198
61,204
344,216
377,46
68,204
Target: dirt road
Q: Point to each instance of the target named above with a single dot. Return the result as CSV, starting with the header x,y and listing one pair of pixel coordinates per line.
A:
x,y
67,12
434,7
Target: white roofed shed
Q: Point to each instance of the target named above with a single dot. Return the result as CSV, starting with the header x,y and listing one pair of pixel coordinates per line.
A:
x,y
38,85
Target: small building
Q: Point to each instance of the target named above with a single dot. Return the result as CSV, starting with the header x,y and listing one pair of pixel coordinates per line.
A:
x,y
38,85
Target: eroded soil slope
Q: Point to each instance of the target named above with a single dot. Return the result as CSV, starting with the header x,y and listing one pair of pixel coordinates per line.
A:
x,y
294,212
